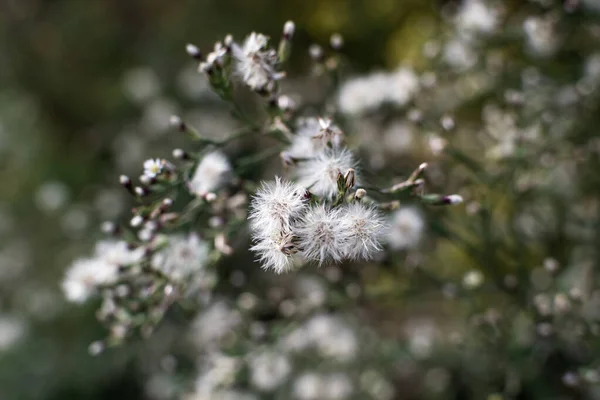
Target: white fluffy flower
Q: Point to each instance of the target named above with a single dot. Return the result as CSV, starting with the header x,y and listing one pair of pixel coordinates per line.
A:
x,y
363,226
321,235
212,173
275,252
320,173
182,257
85,275
274,207
153,167
268,370
255,63
405,228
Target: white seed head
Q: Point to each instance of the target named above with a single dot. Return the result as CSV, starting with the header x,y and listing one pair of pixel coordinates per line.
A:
x,y
364,227
275,206
320,173
275,252
321,234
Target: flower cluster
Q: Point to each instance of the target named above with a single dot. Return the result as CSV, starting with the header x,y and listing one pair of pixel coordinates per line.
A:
x,y
190,212
284,224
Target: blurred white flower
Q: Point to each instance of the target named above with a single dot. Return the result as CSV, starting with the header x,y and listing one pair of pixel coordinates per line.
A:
x,y
310,291
268,369
117,252
255,62
402,86
182,257
332,337
214,323
398,137
473,279
85,275
368,93
459,53
319,174
217,371
51,196
212,173
12,330
405,228
311,139
141,84
308,386
540,36
338,386
475,17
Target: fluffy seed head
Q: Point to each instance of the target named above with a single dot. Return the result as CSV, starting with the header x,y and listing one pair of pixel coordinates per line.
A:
x,y
275,252
364,227
275,206
321,235
320,174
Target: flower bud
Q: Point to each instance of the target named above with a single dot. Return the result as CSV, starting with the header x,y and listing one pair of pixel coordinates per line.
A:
x,y
193,51
336,41
350,178
179,154
125,181
136,221
316,52
288,30
360,193
177,122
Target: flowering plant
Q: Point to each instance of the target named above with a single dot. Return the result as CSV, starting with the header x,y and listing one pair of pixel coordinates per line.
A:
x,y
332,231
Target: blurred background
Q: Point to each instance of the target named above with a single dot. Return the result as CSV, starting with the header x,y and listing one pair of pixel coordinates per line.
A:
x,y
86,91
